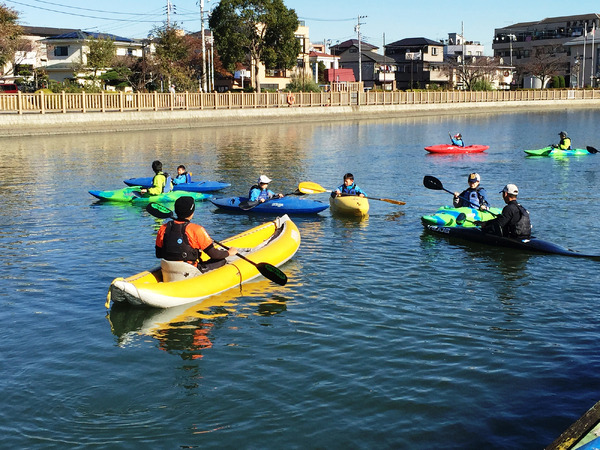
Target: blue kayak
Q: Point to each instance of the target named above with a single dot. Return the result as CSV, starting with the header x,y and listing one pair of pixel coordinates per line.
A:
x,y
194,186
290,204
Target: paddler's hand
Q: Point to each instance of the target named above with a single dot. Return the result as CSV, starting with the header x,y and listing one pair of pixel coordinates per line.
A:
x,y
232,251
456,194
484,207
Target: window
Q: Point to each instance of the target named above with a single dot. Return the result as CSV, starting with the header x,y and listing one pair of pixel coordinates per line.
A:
x,y
434,51
63,50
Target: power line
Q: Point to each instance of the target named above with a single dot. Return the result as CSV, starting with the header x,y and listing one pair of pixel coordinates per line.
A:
x,y
85,15
328,20
88,9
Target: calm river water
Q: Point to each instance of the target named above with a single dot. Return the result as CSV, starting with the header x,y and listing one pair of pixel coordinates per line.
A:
x,y
385,336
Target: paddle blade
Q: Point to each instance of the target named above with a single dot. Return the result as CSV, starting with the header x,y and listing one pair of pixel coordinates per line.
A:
x,y
460,219
246,205
389,200
272,273
591,149
308,187
432,183
159,211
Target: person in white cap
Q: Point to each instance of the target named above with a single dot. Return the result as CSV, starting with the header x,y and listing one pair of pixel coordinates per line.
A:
x,y
260,192
514,221
472,197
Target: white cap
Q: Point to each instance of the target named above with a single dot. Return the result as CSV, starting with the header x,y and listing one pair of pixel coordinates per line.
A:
x,y
511,189
263,179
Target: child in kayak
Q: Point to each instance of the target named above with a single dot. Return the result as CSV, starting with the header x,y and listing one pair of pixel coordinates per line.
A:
x,y
472,197
182,176
348,187
260,192
565,142
181,240
457,140
161,182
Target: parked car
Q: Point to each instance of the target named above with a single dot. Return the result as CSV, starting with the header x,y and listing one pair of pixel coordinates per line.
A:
x,y
8,88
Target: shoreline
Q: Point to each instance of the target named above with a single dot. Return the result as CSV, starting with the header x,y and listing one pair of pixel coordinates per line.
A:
x,y
16,125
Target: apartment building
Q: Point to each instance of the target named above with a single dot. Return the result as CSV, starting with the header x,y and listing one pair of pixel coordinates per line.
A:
x,y
521,43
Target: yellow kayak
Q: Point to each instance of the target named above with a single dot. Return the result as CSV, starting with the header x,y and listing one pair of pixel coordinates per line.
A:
x,y
351,205
274,243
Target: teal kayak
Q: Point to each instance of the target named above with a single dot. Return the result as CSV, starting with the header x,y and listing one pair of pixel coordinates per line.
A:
x,y
133,195
445,216
551,151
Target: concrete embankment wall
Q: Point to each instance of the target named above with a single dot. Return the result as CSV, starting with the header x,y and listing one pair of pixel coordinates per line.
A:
x,y
90,122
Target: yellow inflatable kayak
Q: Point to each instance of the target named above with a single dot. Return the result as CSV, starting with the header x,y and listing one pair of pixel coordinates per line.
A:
x,y
351,205
274,243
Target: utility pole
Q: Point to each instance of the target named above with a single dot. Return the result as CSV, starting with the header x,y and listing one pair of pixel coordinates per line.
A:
x,y
169,10
203,46
357,29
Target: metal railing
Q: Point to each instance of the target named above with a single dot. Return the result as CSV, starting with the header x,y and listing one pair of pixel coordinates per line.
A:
x,y
83,102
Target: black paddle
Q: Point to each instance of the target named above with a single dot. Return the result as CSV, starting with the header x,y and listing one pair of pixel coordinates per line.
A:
x,y
247,205
266,270
462,218
592,150
433,183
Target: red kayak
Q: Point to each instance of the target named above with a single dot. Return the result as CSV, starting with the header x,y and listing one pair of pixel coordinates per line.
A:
x,y
446,148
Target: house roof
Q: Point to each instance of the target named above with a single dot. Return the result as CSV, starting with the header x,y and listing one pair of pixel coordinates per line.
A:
x,y
414,42
45,31
82,35
550,20
377,58
354,42
314,54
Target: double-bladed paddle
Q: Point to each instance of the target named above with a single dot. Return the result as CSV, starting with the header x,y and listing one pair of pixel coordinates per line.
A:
x,y
592,150
266,270
308,187
433,183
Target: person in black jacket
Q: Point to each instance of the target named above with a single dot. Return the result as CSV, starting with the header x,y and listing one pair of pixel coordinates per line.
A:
x,y
514,221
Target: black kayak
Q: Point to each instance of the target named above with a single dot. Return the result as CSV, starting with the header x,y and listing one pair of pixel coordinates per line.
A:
x,y
532,244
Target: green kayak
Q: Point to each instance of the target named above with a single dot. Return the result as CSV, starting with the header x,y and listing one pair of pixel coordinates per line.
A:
x,y
133,195
445,216
551,151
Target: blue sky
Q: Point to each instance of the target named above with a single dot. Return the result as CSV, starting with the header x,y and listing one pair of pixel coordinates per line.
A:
x,y
386,21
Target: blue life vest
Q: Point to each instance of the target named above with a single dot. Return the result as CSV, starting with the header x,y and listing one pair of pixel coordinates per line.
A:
x,y
265,194
350,190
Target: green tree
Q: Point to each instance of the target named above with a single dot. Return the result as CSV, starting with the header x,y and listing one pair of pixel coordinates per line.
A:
x,y
255,31
545,63
100,55
10,34
173,58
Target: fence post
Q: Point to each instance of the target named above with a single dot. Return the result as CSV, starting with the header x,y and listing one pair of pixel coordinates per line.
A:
x,y
187,101
155,101
42,102
83,101
121,100
19,103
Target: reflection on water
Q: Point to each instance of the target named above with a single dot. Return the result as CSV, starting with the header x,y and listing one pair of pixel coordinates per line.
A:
x,y
188,329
